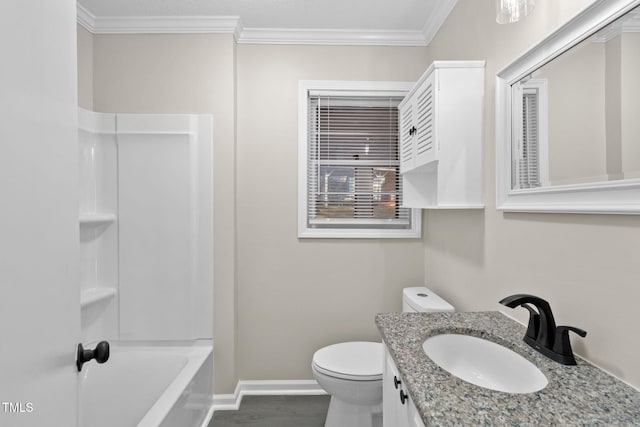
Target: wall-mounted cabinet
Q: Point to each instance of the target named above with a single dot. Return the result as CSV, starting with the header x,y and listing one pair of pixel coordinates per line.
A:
x,y
441,134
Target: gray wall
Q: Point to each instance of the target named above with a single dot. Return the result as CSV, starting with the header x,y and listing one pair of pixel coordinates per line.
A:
x,y
278,298
295,296
584,265
577,134
274,295
630,92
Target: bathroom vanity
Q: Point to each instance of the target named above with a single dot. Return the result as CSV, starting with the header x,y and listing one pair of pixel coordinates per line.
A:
x,y
575,395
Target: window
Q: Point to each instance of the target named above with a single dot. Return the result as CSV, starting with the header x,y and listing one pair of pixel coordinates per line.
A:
x,y
349,181
530,167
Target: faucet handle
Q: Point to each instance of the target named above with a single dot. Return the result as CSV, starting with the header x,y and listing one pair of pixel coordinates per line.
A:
x,y
562,343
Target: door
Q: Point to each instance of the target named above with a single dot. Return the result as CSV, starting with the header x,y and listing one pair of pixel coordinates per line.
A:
x,y
426,150
394,411
407,135
39,274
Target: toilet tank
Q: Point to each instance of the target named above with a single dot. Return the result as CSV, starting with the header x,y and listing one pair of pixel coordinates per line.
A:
x,y
423,300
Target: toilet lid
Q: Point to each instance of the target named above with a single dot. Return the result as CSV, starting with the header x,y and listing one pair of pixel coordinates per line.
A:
x,y
360,360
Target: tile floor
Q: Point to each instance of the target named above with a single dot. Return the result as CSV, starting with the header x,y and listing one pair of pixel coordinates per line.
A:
x,y
275,411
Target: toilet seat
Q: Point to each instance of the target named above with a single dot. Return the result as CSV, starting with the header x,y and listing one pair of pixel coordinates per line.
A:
x,y
355,361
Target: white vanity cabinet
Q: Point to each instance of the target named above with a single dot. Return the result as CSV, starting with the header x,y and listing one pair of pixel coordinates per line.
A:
x,y
397,411
441,129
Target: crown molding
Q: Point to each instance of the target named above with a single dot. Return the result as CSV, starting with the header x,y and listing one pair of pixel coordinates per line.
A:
x,y
628,24
330,37
84,17
436,19
233,25
157,24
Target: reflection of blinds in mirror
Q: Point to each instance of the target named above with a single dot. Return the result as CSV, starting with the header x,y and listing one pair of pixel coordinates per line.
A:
x,y
529,162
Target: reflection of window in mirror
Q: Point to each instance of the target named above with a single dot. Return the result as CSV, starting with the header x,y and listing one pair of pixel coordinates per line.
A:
x,y
530,144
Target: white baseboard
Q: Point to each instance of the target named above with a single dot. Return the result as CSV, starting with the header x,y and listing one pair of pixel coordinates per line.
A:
x,y
207,418
226,402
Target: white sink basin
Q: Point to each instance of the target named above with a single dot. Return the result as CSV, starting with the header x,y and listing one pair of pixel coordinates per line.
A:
x,y
484,363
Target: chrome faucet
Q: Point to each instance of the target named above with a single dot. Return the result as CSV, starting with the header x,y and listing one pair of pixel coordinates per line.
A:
x,y
542,332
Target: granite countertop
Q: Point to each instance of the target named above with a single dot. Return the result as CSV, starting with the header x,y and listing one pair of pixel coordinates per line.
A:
x,y
576,395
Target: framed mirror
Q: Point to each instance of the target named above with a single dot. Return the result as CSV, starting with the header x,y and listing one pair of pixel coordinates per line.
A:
x,y
568,117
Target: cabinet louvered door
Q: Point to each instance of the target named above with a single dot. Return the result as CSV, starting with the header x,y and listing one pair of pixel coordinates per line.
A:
x,y
407,136
425,144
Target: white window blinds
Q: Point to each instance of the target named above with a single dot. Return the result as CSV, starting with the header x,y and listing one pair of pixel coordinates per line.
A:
x,y
352,163
528,168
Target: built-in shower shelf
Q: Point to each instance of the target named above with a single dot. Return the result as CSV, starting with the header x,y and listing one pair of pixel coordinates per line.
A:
x,y
96,219
94,295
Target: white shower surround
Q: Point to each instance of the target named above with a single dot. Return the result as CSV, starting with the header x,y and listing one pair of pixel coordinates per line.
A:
x,y
146,219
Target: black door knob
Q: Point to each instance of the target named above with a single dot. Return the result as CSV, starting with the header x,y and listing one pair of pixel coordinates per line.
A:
x,y
100,354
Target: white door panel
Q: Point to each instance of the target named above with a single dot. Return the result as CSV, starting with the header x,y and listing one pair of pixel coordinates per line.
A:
x,y
39,287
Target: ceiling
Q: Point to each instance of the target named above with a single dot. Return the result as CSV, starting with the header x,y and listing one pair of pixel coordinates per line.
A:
x,y
380,22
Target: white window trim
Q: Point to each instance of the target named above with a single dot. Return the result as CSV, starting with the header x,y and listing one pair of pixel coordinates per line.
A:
x,y
344,88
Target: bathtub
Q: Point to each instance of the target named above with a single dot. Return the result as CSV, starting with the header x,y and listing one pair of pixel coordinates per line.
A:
x,y
148,386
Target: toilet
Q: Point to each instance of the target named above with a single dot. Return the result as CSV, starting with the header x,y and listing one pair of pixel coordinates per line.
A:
x,y
351,372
